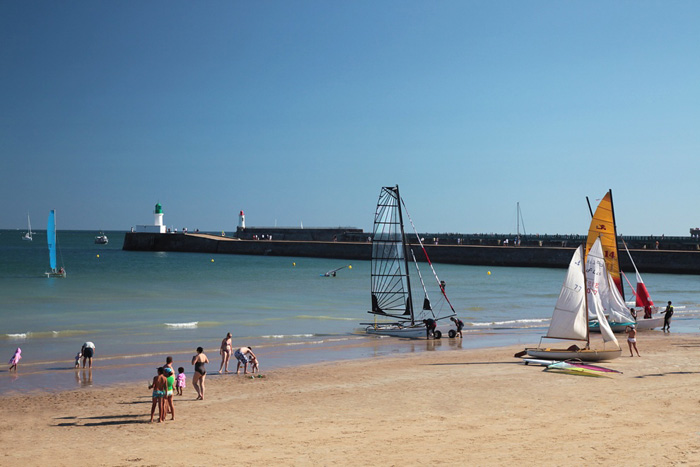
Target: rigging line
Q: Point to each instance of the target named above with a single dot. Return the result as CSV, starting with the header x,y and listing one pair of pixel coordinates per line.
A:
x,y
420,276
442,289
630,284
629,254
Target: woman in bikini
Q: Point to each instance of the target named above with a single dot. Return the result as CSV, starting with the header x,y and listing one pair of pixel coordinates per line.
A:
x,y
199,372
225,352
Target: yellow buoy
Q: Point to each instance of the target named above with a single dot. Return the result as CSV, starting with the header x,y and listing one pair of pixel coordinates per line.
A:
x,y
488,273
294,264
350,266
98,256
212,260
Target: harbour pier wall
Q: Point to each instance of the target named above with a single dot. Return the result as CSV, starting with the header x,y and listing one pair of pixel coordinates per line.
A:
x,y
647,260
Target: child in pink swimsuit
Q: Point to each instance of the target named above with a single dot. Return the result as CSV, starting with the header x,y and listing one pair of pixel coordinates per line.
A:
x,y
180,382
15,359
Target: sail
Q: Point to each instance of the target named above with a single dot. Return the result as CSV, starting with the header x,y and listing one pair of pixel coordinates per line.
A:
x,y
569,319
603,227
51,239
612,304
596,275
391,292
643,297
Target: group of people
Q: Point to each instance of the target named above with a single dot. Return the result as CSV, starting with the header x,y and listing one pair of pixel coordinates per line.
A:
x,y
631,330
165,383
243,356
431,324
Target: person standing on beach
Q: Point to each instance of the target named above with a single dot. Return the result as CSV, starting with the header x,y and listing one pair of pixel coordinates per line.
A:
x,y
225,352
242,355
668,312
88,351
158,385
200,372
632,339
181,380
170,386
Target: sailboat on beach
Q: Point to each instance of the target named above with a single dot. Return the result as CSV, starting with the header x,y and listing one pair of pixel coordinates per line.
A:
x,y
603,226
578,295
28,235
392,297
52,243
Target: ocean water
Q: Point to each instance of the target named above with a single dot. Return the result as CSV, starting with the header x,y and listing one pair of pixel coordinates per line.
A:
x,y
138,307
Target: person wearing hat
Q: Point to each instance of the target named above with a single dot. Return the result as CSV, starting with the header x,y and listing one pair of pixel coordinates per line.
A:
x,y
632,339
668,312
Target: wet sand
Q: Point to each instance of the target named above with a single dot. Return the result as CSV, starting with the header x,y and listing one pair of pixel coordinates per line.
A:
x,y
478,406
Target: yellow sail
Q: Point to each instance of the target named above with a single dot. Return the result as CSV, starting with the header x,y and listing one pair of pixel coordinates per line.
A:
x,y
603,226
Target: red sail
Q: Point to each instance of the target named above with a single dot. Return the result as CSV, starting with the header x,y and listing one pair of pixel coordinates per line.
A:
x,y
643,298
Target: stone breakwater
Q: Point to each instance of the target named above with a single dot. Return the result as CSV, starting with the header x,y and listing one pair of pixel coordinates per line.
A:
x,y
659,261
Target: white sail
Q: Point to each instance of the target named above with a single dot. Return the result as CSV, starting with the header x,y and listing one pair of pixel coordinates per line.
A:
x,y
616,308
569,319
613,306
596,277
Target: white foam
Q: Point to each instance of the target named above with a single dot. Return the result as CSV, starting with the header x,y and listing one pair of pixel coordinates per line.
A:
x,y
192,324
21,335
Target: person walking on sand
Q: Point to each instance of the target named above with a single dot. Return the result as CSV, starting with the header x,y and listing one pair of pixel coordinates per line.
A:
x,y
15,359
242,357
668,312
200,372
225,351
88,352
632,339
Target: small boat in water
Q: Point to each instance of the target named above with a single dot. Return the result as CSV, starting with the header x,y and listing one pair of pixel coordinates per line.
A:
x,y
101,239
28,236
53,245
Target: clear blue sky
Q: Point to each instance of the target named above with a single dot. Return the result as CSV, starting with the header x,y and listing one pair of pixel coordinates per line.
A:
x,y
300,111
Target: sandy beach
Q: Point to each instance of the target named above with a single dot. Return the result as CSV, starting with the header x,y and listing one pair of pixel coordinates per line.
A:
x,y
478,406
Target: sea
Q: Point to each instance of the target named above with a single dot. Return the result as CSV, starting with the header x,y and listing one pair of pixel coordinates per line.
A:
x,y
139,307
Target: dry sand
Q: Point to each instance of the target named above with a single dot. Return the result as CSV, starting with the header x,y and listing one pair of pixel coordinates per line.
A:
x,y
479,407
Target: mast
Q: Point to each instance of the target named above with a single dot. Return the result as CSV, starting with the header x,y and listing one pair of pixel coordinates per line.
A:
x,y
409,303
585,292
617,258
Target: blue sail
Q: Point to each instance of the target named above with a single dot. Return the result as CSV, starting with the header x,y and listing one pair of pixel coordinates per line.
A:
x,y
51,238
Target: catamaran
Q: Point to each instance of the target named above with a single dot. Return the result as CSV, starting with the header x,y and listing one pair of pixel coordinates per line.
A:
x,y
392,297
28,235
52,242
603,226
569,321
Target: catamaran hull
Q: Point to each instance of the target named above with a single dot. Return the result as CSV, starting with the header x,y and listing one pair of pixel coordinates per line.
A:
x,y
396,332
411,332
619,328
649,324
564,354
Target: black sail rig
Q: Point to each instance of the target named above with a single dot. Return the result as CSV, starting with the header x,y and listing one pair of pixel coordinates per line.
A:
x,y
391,283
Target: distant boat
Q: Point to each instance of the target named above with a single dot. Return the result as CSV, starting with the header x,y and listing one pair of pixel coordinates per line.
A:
x,y
28,235
391,285
101,239
52,242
